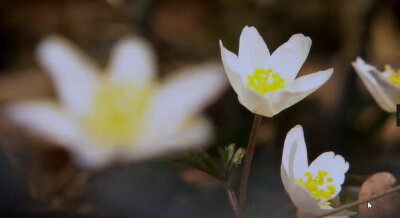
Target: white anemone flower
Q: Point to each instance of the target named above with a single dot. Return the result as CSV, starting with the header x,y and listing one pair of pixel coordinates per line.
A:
x,y
383,86
266,84
124,114
310,187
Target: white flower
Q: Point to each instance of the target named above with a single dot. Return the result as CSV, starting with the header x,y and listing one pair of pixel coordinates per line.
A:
x,y
125,114
266,84
310,187
383,86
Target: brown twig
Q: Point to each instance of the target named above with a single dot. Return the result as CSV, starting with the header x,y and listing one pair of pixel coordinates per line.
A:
x,y
355,203
247,160
232,199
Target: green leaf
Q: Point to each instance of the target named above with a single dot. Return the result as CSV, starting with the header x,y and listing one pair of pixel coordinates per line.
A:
x,y
201,161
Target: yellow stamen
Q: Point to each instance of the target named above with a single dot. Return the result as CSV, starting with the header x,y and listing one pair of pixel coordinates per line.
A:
x,y
261,82
117,114
315,185
394,76
326,203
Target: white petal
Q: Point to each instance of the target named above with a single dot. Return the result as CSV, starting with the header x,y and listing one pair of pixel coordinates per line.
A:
x,y
232,68
253,101
184,94
133,60
73,72
299,89
196,135
294,164
253,52
294,157
289,57
303,200
369,75
300,197
48,120
287,182
256,103
334,164
341,214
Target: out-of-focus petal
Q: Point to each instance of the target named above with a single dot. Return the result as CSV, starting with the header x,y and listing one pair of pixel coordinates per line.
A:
x,y
47,120
253,52
197,134
43,118
298,90
369,75
289,57
390,89
184,94
336,167
72,71
133,60
90,155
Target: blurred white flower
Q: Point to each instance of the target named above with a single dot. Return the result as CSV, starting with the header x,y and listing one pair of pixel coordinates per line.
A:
x,y
310,187
383,86
123,115
266,84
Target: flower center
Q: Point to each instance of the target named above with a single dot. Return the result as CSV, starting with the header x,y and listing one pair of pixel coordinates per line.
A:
x,y
318,185
394,77
263,81
117,114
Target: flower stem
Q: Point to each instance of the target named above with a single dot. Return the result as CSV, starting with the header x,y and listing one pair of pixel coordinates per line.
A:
x,y
232,199
247,160
355,203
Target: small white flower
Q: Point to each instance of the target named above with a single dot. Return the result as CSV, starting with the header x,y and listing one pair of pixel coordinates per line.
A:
x,y
310,187
266,84
383,86
125,114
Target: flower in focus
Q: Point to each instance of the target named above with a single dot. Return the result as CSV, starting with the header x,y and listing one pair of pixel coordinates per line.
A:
x,y
266,84
125,114
383,86
310,187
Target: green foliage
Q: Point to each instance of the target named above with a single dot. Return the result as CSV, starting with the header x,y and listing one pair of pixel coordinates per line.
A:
x,y
231,158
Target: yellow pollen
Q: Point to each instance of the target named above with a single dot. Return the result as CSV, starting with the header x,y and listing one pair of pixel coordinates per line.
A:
x,y
262,83
117,114
394,76
315,185
325,203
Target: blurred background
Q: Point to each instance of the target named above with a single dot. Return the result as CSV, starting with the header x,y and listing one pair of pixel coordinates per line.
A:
x,y
37,179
